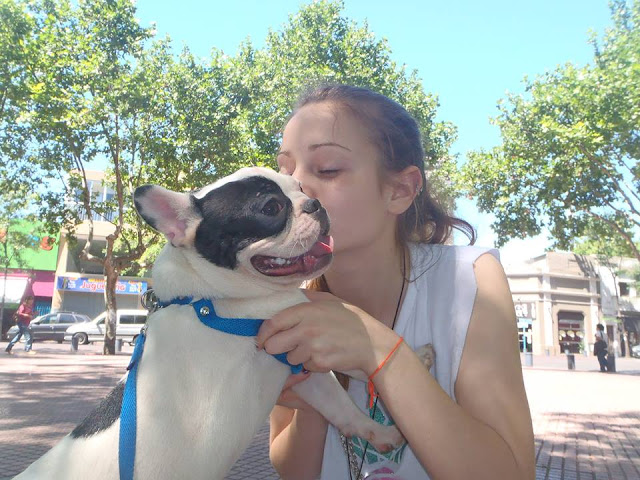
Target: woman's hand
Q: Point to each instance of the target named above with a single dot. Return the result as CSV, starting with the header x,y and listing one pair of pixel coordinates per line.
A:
x,y
326,334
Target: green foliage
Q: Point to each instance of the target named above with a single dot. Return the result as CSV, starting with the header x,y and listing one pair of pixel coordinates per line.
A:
x,y
600,239
317,45
87,84
569,159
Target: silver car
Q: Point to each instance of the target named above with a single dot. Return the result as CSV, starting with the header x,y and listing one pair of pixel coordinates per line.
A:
x,y
128,325
51,326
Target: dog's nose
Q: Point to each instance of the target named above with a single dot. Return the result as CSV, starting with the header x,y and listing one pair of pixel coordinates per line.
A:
x,y
311,205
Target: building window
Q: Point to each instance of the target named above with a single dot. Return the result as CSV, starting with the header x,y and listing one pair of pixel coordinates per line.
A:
x,y
570,331
624,289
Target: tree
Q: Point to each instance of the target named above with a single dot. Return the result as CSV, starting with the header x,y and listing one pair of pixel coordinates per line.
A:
x,y
229,112
319,44
96,89
569,158
81,101
14,239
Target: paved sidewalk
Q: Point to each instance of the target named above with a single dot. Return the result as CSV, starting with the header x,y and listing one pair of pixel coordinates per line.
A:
x,y
44,396
587,424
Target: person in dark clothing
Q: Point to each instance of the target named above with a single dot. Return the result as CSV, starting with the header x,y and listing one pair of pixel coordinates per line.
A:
x,y
600,347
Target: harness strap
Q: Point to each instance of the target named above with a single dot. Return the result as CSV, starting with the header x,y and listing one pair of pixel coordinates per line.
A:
x,y
128,416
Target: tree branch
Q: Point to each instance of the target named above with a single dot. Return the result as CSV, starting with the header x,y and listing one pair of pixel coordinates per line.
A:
x,y
624,214
624,234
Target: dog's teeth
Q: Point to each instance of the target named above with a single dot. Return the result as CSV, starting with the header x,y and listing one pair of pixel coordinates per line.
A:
x,y
283,261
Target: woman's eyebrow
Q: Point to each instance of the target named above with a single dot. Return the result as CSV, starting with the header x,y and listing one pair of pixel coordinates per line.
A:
x,y
286,153
315,146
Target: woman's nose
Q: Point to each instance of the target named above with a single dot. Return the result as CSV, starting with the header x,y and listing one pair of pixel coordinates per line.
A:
x,y
305,183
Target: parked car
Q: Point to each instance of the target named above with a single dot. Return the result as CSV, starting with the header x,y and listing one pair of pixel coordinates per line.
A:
x,y
51,326
128,325
635,351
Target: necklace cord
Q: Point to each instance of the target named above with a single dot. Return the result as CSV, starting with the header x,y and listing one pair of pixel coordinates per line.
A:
x,y
375,405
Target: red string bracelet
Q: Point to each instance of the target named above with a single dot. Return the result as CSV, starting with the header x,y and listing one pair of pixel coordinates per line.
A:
x,y
370,387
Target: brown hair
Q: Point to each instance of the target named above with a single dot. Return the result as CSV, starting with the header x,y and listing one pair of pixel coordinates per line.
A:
x,y
396,134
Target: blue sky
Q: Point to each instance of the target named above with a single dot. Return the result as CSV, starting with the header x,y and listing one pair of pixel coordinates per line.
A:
x,y
469,53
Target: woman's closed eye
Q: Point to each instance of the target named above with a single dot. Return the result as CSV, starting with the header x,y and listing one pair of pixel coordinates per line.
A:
x,y
329,172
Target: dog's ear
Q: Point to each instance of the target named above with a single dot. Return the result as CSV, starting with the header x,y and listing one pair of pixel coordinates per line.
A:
x,y
170,213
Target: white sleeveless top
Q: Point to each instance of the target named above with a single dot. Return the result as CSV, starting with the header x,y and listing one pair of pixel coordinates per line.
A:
x,y
436,310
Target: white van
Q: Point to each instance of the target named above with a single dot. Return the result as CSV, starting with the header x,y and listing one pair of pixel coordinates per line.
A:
x,y
128,325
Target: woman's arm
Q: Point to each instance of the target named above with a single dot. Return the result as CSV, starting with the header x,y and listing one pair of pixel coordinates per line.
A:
x,y
488,433
297,435
297,442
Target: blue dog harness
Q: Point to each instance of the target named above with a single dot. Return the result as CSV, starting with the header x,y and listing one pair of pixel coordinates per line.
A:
x,y
245,327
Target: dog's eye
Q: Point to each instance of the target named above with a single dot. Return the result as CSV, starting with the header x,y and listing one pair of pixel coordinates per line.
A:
x,y
272,208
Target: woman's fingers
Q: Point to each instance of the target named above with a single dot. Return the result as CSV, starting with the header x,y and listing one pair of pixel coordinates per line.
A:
x,y
284,320
295,379
298,355
282,342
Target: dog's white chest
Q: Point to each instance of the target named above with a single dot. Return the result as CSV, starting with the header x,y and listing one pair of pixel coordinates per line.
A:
x,y
205,390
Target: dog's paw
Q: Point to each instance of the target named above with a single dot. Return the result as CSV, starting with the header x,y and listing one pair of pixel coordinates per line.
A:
x,y
427,355
386,438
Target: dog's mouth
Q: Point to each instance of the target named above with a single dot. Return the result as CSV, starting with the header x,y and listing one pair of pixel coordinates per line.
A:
x,y
306,264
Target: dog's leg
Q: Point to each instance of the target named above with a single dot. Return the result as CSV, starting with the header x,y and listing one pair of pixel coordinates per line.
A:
x,y
324,393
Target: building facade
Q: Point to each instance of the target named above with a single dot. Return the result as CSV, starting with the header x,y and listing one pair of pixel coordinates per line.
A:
x,y
78,283
33,274
559,299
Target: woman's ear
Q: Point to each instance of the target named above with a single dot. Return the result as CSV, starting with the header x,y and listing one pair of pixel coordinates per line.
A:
x,y
405,187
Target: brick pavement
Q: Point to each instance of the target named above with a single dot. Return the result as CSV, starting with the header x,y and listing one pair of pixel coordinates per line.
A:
x,y
587,424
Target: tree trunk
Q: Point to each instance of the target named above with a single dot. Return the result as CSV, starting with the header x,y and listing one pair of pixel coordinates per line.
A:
x,y
111,279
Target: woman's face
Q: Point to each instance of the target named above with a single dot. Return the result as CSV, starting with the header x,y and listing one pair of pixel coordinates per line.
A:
x,y
329,153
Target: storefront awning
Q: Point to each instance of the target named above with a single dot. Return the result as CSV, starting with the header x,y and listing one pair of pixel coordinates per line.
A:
x,y
43,284
13,288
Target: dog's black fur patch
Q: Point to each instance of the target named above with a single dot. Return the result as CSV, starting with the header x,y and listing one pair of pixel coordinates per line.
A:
x,y
102,417
233,218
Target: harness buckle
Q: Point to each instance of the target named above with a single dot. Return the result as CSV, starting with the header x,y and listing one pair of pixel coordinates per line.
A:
x,y
149,301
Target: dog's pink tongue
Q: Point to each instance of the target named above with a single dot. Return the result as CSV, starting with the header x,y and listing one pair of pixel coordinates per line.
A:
x,y
323,246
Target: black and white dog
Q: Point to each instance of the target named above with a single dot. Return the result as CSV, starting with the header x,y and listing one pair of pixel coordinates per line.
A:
x,y
246,242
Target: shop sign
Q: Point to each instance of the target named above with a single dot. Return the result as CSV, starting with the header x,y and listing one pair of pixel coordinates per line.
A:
x,y
525,310
96,285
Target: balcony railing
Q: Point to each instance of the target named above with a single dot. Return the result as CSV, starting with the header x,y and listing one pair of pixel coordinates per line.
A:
x,y
107,217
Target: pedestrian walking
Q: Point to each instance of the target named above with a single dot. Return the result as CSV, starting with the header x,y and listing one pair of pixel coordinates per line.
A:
x,y
24,315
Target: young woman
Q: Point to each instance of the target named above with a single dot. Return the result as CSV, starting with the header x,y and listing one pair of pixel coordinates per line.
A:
x,y
394,287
